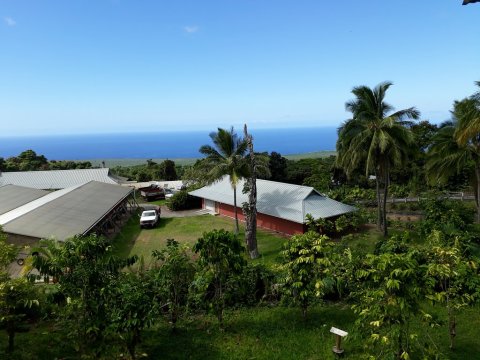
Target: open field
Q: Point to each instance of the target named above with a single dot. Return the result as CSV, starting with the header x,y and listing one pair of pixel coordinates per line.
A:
x,y
311,155
141,242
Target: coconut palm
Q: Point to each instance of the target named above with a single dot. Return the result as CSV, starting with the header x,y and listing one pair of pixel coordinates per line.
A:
x,y
456,145
375,138
467,112
227,157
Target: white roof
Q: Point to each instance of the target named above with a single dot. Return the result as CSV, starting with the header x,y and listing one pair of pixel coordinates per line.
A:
x,y
55,179
285,201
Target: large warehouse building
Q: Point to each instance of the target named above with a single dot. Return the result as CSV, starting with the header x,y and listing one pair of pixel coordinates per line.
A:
x,y
28,215
58,179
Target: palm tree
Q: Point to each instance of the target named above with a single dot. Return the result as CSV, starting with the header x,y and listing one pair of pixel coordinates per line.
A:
x,y
467,112
374,138
456,145
466,2
227,158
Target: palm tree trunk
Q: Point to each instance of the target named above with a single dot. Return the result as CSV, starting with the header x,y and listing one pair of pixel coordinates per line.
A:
x,y
379,209
384,208
384,203
250,207
477,176
11,335
237,230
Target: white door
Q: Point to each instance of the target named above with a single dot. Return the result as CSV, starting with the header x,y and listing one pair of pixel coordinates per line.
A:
x,y
210,205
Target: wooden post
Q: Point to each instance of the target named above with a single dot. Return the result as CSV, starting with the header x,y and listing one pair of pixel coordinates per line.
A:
x,y
339,334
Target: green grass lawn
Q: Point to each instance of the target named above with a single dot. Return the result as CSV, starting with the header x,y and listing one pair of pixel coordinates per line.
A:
x,y
257,333
135,241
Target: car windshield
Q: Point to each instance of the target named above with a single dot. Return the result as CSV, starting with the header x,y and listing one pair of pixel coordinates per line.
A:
x,y
149,213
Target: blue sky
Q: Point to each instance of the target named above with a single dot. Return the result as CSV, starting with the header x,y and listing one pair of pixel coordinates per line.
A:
x,y
125,66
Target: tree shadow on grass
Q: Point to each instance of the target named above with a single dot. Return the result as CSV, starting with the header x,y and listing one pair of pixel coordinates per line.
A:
x,y
124,241
163,222
184,343
282,333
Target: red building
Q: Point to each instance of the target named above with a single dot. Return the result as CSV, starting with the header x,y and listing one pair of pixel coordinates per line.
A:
x,y
281,207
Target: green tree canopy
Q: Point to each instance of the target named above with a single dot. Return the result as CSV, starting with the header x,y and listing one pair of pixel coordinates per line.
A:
x,y
227,157
376,138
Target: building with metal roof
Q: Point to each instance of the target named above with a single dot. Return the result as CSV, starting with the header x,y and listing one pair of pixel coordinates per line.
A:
x,y
12,197
56,179
281,207
93,207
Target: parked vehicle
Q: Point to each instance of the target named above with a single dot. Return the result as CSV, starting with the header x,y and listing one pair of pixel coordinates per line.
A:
x,y
149,218
152,192
169,193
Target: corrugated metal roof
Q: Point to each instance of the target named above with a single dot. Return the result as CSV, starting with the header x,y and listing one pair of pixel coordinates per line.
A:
x,y
55,179
323,207
75,211
24,209
12,197
285,201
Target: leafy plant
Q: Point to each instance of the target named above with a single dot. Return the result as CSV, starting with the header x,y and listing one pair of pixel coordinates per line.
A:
x,y
173,274
133,307
221,256
16,297
307,269
447,275
389,290
181,200
84,267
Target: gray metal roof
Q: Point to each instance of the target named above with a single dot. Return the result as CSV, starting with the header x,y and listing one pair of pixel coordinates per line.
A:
x,y
55,179
76,211
285,201
12,197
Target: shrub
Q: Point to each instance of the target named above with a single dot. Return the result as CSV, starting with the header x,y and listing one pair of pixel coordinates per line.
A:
x,y
252,285
221,258
183,201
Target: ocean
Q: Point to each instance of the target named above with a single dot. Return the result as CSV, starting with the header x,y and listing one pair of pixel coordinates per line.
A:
x,y
172,145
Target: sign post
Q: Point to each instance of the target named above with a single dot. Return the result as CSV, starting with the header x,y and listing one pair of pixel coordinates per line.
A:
x,y
339,334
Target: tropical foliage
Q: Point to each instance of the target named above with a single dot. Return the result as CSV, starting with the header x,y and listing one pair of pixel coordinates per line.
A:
x,y
308,267
456,146
220,259
226,158
375,138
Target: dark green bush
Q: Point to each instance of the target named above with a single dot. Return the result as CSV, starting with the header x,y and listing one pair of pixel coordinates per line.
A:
x,y
252,286
183,201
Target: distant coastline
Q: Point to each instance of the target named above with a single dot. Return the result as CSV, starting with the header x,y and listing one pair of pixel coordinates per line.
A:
x,y
166,145
189,161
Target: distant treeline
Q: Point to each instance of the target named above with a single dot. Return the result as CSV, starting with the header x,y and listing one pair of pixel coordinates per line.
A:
x,y
29,161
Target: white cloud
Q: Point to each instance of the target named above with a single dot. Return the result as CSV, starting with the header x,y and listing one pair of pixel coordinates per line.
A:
x,y
9,21
191,29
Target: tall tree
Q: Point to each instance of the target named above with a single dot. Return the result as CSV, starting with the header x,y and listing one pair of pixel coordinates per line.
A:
x,y
278,166
375,138
456,145
227,158
17,295
220,258
167,170
84,267
250,207
258,165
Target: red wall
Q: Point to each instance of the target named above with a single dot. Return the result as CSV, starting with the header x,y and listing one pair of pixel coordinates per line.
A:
x,y
265,221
